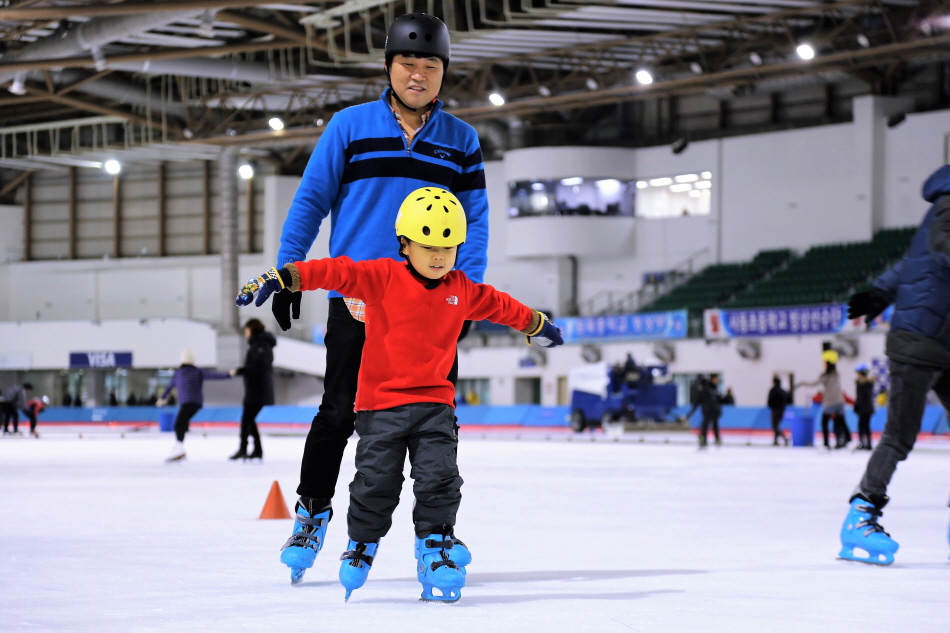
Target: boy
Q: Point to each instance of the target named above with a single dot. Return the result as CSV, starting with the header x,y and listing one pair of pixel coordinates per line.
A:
x,y
404,402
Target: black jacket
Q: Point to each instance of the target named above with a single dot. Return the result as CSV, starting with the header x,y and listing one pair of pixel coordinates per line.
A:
x,y
778,398
258,370
710,400
864,396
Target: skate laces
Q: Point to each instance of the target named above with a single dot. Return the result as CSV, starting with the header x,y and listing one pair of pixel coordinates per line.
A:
x,y
871,522
357,555
448,542
306,536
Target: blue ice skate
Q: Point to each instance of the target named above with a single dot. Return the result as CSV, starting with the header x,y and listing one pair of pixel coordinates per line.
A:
x,y
442,579
357,561
862,531
305,542
457,550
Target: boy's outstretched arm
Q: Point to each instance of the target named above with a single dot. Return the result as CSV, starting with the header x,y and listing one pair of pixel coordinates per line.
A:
x,y
364,280
499,307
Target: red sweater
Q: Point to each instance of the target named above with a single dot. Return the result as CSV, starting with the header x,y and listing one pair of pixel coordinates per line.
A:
x,y
411,331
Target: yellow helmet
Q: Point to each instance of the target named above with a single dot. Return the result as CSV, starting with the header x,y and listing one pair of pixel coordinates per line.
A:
x,y
432,216
830,356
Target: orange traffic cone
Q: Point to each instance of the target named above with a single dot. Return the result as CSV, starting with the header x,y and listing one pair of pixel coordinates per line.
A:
x,y
275,507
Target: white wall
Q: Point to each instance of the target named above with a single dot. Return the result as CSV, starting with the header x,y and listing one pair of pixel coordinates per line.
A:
x,y
914,149
11,233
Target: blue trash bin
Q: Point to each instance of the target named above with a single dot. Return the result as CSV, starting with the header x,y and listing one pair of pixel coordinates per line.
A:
x,y
166,421
802,426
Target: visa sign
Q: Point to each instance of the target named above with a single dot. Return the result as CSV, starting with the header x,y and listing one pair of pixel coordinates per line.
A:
x,y
99,360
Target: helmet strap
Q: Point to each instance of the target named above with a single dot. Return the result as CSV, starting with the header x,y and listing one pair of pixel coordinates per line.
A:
x,y
392,91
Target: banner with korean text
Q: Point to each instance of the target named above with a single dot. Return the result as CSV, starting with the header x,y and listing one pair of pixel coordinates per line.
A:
x,y
650,325
791,321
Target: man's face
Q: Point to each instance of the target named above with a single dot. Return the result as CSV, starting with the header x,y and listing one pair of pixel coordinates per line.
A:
x,y
417,80
432,262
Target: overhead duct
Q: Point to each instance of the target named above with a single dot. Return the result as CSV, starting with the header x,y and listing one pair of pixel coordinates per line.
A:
x,y
93,35
230,69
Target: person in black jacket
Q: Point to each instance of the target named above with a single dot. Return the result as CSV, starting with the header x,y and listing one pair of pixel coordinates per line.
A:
x,y
778,400
710,401
864,406
258,373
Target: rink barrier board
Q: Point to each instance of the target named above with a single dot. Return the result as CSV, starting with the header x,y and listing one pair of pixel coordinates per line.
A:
x,y
523,415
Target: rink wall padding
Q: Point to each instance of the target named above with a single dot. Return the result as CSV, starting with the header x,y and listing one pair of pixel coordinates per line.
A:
x,y
527,415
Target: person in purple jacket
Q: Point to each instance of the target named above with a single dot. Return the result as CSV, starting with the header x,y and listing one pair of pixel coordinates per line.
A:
x,y
188,380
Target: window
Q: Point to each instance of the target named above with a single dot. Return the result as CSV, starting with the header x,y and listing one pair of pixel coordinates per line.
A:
x,y
675,196
472,391
572,196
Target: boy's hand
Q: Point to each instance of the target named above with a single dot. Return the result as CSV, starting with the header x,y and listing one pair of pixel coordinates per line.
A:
x,y
264,286
549,335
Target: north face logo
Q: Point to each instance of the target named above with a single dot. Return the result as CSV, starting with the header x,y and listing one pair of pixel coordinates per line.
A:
x,y
452,300
441,153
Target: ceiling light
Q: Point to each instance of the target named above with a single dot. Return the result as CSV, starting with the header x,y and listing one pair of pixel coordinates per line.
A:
x,y
245,171
112,166
537,186
591,84
755,58
706,175
687,178
567,182
696,68
703,184
863,41
496,99
695,193
276,124
188,133
544,91
18,87
318,122
644,78
642,184
805,51
680,188
609,186
661,182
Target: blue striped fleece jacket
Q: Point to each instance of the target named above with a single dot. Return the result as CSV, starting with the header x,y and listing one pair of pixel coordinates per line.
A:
x,y
360,172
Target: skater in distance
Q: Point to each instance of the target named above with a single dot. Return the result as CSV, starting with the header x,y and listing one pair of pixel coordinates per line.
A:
x,y
918,352
404,402
369,158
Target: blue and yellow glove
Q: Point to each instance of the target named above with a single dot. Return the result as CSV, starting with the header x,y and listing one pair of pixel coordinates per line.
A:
x,y
544,331
264,286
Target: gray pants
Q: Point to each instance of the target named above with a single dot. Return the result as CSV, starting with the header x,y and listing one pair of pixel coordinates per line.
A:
x,y
905,410
429,433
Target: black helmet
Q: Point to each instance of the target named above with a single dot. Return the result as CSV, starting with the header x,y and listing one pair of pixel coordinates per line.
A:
x,y
421,34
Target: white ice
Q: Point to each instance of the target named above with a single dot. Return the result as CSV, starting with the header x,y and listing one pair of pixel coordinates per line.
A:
x,y
98,534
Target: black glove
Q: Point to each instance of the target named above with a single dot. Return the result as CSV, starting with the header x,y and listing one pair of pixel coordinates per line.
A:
x,y
281,306
262,287
867,304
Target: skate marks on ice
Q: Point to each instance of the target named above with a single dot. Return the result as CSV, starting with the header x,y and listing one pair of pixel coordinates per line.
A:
x,y
482,581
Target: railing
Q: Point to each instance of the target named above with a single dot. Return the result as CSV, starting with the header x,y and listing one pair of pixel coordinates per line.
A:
x,y
611,302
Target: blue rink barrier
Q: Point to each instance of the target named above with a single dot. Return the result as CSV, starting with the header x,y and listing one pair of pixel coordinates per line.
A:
x,y
530,415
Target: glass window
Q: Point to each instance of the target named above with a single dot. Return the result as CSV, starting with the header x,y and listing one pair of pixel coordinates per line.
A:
x,y
472,391
572,196
675,196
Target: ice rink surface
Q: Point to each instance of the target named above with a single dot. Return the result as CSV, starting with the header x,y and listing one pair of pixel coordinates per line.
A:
x,y
98,534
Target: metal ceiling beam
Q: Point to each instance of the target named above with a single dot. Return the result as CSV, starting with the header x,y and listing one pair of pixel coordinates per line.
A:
x,y
174,53
297,36
132,8
685,85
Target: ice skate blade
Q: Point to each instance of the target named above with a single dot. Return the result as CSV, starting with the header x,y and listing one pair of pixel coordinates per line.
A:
x,y
172,460
847,553
450,595
437,601
296,575
346,598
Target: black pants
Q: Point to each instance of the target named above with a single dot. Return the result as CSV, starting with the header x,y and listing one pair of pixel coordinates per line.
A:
x,y
905,411
9,413
777,415
428,432
864,429
841,430
704,428
249,423
183,419
334,423
32,418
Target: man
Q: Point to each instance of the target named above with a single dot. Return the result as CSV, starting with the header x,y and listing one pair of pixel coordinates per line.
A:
x,y
370,156
12,401
710,401
918,351
778,400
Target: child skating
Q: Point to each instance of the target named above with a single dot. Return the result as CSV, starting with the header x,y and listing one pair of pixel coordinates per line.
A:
x,y
405,402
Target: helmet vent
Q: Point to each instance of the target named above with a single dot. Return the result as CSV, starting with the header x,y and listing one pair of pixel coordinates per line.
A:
x,y
413,35
429,208
426,230
446,232
446,208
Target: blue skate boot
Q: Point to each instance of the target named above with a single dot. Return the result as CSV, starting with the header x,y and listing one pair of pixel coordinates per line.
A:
x,y
442,579
305,542
862,531
357,561
457,550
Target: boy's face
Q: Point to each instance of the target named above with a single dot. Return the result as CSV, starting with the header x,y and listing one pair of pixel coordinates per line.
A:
x,y
417,80
432,262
